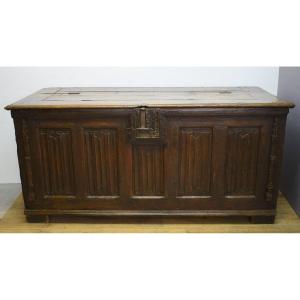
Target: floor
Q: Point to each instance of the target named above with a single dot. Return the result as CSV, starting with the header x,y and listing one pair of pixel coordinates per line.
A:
x,y
286,221
8,194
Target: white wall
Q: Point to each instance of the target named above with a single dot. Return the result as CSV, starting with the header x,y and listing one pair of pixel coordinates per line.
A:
x,y
18,82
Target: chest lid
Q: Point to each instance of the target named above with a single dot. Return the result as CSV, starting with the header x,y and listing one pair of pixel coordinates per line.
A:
x,y
166,97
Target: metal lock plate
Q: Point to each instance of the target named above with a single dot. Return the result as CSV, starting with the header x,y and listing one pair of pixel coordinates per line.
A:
x,y
146,124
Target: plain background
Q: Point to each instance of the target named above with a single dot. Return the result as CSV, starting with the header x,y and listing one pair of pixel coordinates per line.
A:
x,y
288,88
149,33
18,82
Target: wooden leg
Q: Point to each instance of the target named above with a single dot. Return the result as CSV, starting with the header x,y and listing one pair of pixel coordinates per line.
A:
x,y
37,219
262,219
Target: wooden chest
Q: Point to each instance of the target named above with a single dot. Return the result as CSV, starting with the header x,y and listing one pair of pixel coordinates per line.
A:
x,y
179,152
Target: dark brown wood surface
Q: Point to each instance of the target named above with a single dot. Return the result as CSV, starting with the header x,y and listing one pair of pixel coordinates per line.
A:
x,y
146,161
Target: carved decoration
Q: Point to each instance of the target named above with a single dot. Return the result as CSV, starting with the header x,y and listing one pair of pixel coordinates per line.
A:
x,y
272,162
195,151
57,161
241,162
27,162
146,125
101,155
148,170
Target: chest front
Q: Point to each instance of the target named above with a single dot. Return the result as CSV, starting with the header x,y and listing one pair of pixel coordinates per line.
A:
x,y
151,161
159,159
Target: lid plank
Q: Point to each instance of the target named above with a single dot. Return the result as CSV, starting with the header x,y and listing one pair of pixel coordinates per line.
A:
x,y
95,97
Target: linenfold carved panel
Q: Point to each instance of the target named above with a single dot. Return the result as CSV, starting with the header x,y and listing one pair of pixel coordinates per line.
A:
x,y
101,159
28,162
148,170
195,158
57,161
241,160
273,158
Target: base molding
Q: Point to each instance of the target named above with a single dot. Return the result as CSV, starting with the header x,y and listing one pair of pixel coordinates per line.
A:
x,y
193,213
256,216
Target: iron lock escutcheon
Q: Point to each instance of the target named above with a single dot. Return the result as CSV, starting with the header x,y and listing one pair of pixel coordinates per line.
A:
x,y
147,125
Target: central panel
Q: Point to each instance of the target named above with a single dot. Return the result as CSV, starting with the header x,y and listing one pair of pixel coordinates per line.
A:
x,y
148,170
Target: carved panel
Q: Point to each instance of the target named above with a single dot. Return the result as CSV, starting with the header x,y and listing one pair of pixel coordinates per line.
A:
x,y
57,161
101,157
195,152
272,162
241,163
28,162
148,170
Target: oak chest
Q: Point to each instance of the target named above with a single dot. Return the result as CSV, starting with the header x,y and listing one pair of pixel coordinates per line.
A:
x,y
179,152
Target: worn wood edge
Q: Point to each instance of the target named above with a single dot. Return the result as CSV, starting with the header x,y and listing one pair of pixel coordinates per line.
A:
x,y
261,96
285,104
128,213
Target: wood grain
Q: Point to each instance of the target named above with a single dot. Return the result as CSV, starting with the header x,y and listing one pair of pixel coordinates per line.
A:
x,y
241,164
195,146
148,170
101,152
152,97
57,157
